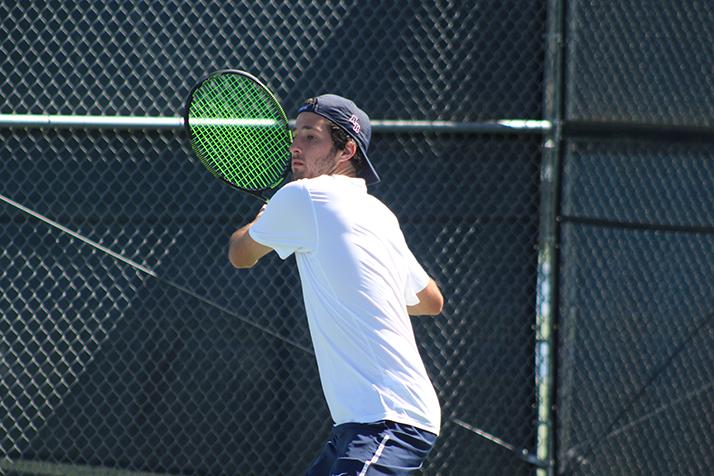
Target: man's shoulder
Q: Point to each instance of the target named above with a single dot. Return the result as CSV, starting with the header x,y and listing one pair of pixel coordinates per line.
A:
x,y
327,189
337,183
290,197
296,184
292,189
306,184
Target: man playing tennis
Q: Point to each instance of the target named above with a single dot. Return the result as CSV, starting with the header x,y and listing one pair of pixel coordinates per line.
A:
x,y
360,283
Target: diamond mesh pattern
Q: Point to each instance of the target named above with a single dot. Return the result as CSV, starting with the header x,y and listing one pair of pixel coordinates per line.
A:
x,y
193,368
407,60
107,369
634,62
637,309
106,366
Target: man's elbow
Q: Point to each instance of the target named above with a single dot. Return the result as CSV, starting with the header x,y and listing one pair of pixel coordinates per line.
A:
x,y
435,306
240,254
431,300
240,262
440,306
429,305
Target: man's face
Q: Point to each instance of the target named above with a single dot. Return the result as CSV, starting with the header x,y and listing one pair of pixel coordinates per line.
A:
x,y
313,153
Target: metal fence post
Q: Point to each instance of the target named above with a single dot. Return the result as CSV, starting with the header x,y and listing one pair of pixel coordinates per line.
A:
x,y
546,306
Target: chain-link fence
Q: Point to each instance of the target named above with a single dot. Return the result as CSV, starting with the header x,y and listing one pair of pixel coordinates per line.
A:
x,y
640,61
107,366
128,345
636,300
128,342
636,386
407,60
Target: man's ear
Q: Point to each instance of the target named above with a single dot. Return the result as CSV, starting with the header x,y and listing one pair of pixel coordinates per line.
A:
x,y
348,152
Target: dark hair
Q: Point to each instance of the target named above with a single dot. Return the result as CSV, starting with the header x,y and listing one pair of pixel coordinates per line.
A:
x,y
339,141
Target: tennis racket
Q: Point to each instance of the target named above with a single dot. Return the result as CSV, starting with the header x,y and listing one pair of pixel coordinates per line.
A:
x,y
239,132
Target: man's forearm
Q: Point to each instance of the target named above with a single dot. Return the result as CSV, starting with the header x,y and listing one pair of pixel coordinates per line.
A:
x,y
235,247
243,251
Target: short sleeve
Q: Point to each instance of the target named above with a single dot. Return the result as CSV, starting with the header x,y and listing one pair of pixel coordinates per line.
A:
x,y
288,223
417,280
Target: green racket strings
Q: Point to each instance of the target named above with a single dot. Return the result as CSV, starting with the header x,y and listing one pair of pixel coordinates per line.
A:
x,y
240,132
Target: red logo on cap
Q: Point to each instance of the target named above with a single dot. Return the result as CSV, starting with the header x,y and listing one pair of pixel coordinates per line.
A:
x,y
355,123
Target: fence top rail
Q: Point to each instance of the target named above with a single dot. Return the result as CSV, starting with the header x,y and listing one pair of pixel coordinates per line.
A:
x,y
41,121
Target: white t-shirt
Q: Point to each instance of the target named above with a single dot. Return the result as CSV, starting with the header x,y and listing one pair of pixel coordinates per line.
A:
x,y
358,276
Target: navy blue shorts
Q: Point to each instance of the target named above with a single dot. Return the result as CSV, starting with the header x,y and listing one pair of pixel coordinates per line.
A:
x,y
373,449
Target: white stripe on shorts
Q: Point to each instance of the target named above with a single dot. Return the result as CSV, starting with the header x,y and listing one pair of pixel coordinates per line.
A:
x,y
376,456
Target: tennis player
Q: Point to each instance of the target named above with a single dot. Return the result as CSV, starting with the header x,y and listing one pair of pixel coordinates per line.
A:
x,y
360,283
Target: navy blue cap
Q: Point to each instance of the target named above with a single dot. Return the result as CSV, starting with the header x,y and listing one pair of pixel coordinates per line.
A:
x,y
353,120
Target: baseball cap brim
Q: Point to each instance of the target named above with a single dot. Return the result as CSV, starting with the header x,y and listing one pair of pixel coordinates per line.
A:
x,y
368,173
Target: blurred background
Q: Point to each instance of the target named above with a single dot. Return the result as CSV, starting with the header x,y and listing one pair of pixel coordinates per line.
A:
x,y
564,201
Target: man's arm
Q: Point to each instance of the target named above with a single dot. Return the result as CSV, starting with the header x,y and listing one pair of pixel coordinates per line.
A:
x,y
431,301
244,251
